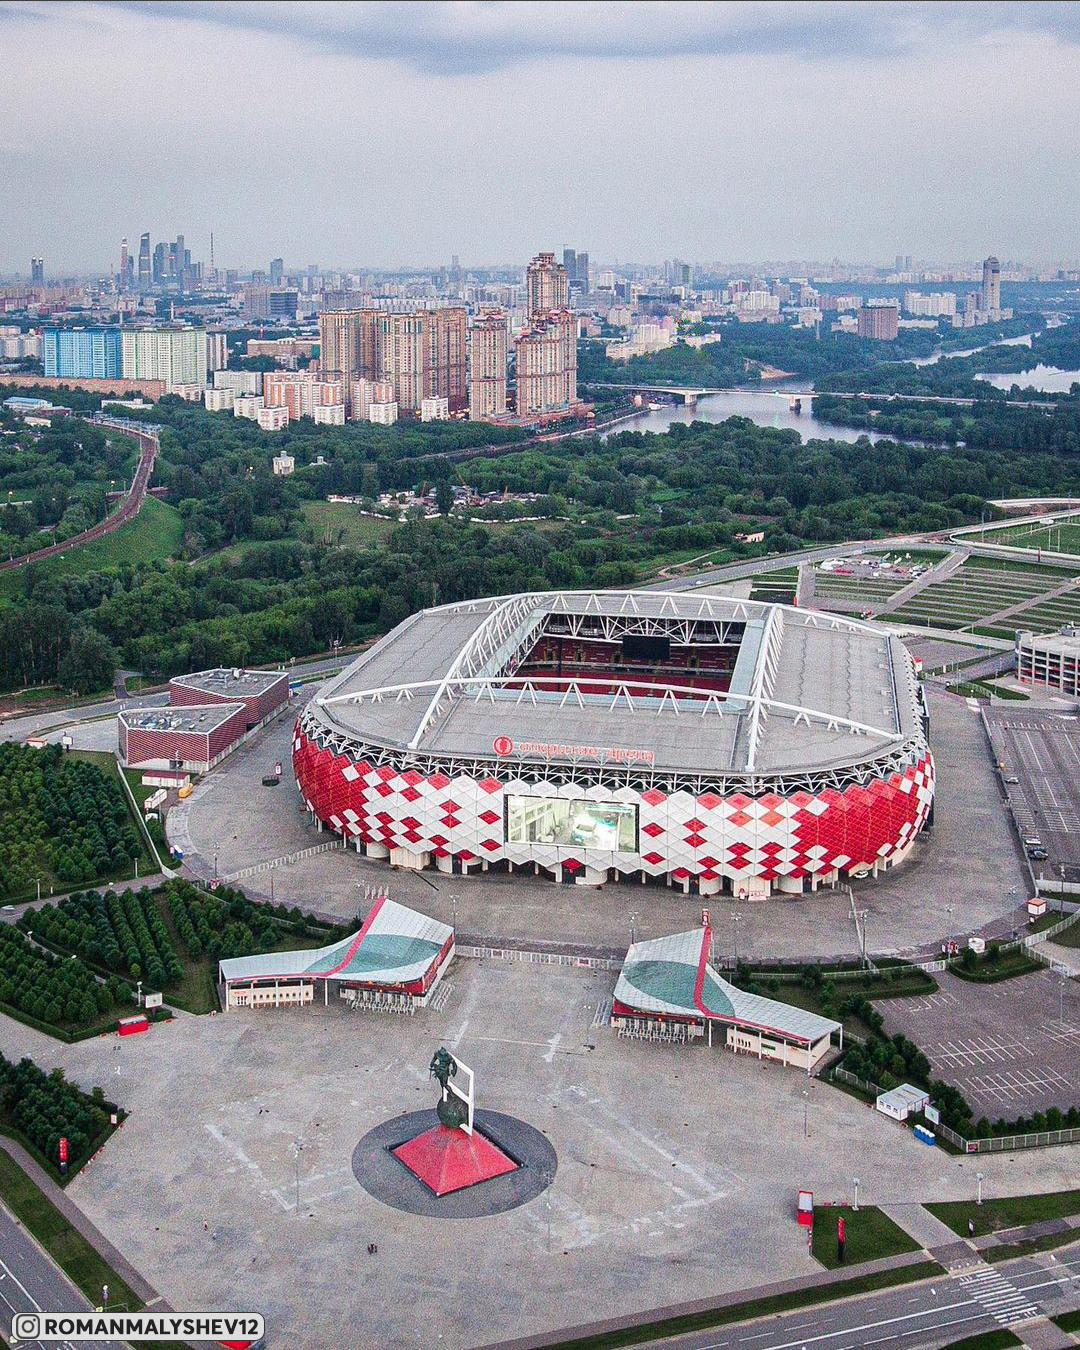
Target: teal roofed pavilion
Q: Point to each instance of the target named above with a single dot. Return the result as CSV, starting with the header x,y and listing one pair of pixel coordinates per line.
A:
x,y
668,990
394,961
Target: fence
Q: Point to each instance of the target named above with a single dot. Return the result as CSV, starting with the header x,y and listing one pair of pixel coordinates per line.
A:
x,y
1007,1143
256,868
540,958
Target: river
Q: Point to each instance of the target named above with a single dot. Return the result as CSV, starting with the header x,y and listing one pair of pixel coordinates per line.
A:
x,y
765,406
1046,378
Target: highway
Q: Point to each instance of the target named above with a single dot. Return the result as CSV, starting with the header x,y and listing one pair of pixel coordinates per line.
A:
x,y
968,1300
129,507
30,1282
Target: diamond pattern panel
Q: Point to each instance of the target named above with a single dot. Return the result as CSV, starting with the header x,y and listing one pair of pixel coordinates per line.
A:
x,y
681,835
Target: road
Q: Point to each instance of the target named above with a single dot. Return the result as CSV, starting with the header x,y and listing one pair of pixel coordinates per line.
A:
x,y
30,1282
128,509
970,1300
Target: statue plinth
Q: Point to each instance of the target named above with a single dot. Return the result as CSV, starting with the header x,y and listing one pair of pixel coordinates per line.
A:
x,y
453,1154
447,1159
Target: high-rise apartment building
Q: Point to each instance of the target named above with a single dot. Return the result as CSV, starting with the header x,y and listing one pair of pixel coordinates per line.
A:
x,y
878,321
145,274
172,355
546,285
92,353
37,271
487,366
422,353
277,270
125,266
991,285
217,351
546,361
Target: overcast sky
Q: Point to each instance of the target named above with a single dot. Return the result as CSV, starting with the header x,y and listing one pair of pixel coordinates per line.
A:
x,y
390,134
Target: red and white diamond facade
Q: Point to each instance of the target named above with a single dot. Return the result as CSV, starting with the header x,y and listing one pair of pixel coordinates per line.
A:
x,y
715,742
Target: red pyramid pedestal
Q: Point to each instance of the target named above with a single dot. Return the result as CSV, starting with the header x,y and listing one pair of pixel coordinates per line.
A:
x,y
448,1160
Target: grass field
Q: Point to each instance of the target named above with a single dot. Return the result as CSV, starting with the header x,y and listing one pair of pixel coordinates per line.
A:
x,y
342,523
777,587
993,1215
153,536
1062,537
869,1235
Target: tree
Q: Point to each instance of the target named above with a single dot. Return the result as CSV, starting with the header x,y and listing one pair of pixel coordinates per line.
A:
x,y
90,662
444,496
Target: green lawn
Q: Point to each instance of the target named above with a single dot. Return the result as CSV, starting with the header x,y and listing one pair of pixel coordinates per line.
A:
x,y
1029,1246
993,1215
869,1235
153,536
342,523
1000,1339
1069,1321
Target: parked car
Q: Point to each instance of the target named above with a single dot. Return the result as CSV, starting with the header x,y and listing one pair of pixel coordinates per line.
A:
x,y
1038,854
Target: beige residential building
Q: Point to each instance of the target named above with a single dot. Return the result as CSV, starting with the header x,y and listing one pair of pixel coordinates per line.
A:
x,y
546,358
547,286
487,366
421,352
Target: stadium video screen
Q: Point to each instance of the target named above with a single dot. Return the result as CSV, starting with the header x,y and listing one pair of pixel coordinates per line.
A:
x,y
637,648
583,824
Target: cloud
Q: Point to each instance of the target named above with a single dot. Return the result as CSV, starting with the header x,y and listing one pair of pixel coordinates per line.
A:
x,y
454,37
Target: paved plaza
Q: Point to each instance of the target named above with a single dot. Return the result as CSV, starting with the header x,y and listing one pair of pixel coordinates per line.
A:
x,y
1011,1048
677,1167
962,874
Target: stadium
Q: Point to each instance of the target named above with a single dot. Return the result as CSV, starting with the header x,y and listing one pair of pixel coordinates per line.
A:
x,y
712,742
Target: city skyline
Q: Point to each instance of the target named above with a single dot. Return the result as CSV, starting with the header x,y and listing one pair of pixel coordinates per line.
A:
x,y
720,131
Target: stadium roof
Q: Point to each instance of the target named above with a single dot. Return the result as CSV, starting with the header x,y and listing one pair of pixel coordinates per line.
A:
x,y
809,689
395,945
671,976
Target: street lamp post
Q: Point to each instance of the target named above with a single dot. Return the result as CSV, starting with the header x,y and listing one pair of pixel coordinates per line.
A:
x,y
297,1149
978,1183
806,1114
856,1204
735,943
633,935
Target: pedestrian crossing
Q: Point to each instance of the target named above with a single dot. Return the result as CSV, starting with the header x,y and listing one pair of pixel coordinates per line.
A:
x,y
999,1296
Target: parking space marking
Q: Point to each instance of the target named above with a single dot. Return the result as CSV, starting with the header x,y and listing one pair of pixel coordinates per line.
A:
x,y
976,1053
1013,1083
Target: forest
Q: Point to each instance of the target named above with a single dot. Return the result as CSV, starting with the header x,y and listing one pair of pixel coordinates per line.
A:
x,y
631,501
56,479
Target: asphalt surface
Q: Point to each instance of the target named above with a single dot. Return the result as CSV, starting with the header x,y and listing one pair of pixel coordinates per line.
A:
x,y
29,1282
967,1301
129,507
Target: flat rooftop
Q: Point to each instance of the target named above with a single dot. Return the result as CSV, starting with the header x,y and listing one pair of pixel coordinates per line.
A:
x,y
833,691
197,717
242,683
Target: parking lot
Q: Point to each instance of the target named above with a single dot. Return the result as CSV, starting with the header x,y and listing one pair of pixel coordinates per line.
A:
x,y
1042,750
1011,1048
